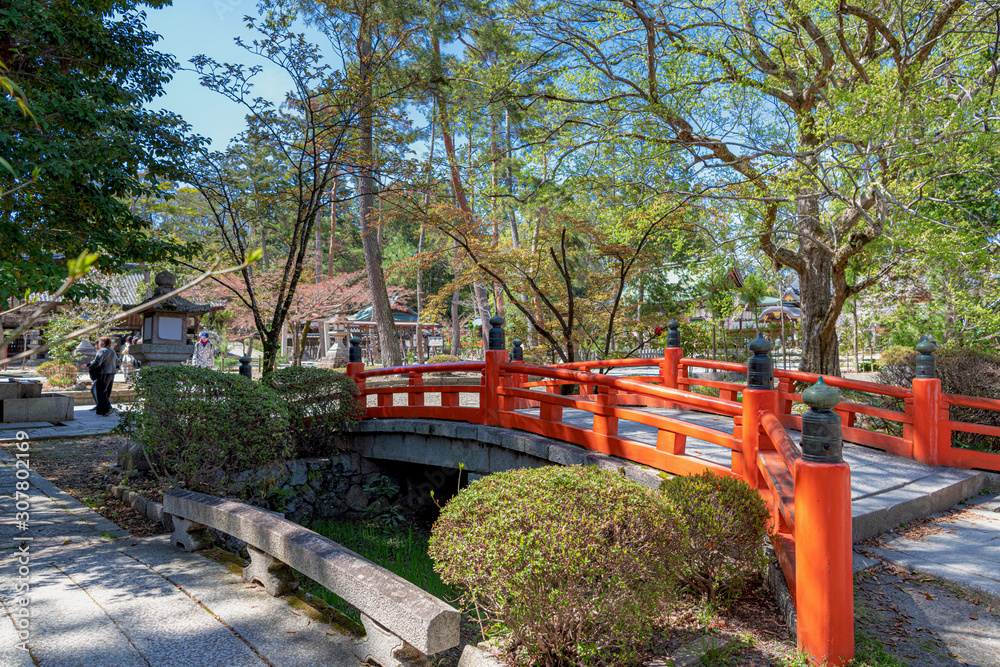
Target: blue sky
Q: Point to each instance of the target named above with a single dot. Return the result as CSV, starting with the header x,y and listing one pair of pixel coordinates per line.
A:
x,y
190,27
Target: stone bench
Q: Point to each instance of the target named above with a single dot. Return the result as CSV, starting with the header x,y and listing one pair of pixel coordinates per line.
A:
x,y
404,624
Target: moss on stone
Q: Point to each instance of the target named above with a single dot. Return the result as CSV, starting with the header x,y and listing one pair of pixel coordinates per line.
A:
x,y
319,611
232,562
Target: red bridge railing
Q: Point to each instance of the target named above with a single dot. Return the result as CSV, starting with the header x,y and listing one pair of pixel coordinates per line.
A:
x,y
807,490
809,497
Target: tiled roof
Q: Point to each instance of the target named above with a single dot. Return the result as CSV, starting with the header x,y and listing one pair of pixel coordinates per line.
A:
x,y
122,288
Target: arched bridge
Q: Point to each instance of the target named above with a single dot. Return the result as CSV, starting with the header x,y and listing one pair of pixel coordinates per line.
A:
x,y
800,461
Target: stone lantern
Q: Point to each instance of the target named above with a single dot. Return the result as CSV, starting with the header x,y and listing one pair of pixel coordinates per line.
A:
x,y
164,326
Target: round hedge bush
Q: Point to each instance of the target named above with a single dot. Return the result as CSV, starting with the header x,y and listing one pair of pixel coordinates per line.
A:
x,y
443,359
320,403
724,524
58,374
573,564
199,425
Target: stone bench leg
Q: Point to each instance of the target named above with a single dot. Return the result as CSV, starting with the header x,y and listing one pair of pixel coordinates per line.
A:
x,y
190,535
387,649
276,577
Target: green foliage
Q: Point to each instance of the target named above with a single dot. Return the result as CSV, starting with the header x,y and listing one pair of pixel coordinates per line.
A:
x,y
319,402
398,550
59,374
962,371
442,359
574,563
198,425
731,345
724,522
71,318
89,72
870,652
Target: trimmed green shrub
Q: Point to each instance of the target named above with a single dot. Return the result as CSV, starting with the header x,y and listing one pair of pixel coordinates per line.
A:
x,y
724,523
574,564
199,425
962,371
320,403
443,359
59,374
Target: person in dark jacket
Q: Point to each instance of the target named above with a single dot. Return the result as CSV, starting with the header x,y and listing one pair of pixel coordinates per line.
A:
x,y
103,369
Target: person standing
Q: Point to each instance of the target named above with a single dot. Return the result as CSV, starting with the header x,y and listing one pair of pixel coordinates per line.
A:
x,y
102,370
128,361
204,352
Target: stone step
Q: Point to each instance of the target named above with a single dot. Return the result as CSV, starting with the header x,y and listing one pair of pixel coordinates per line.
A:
x,y
938,490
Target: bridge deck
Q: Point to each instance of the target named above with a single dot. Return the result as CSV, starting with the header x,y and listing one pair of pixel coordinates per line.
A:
x,y
872,471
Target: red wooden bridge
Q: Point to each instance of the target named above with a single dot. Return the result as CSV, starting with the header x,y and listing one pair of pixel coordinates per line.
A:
x,y
793,457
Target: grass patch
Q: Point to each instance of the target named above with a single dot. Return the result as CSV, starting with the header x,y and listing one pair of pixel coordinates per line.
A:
x,y
399,550
870,652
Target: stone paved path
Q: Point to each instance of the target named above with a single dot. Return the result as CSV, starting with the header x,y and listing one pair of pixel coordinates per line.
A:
x,y
101,598
86,422
961,546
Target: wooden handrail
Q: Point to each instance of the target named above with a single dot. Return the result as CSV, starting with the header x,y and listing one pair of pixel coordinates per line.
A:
x,y
711,363
460,367
977,402
843,383
608,363
709,403
789,451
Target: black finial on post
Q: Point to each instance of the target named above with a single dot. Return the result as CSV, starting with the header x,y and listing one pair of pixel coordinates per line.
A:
x,y
821,437
245,368
354,352
760,367
497,341
926,361
517,354
673,335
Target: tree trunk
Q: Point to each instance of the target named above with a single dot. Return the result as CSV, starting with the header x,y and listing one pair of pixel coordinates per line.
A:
x,y
494,207
819,347
456,330
333,226
303,339
420,240
381,308
514,235
857,361
263,247
270,346
319,253
460,197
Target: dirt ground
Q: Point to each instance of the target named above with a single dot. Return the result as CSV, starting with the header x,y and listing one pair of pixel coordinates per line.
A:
x,y
79,466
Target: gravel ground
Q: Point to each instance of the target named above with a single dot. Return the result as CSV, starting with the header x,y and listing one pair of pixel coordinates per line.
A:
x,y
926,622
79,466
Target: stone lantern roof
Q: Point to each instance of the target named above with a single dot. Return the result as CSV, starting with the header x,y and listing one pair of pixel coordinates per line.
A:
x,y
165,282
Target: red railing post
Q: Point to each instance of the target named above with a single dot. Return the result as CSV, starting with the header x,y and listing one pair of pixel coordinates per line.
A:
x,y
759,396
824,579
927,407
604,424
670,366
517,380
495,355
413,397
